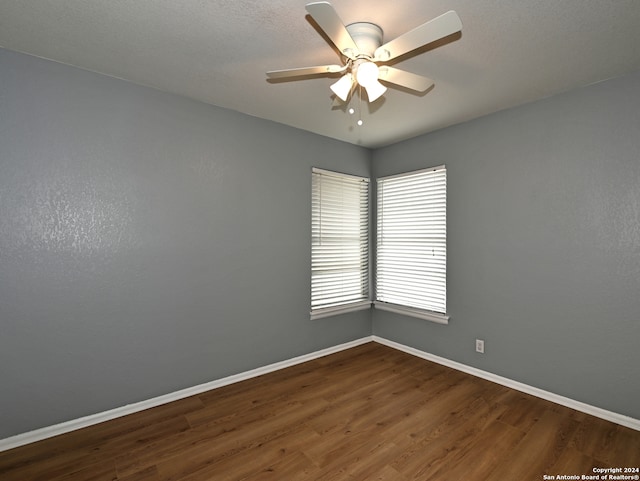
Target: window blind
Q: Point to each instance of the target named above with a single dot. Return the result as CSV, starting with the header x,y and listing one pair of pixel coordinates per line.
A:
x,y
411,240
340,242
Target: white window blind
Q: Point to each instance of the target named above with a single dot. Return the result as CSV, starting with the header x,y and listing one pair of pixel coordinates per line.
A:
x,y
340,243
411,238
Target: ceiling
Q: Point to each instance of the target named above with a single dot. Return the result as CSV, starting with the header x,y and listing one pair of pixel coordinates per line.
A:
x,y
217,51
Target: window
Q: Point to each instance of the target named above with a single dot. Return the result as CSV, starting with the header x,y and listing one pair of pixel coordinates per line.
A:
x,y
411,244
340,243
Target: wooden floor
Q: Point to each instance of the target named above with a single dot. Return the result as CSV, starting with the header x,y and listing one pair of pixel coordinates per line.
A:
x,y
369,413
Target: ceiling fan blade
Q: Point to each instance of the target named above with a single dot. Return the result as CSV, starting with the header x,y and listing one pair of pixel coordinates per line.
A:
x,y
327,18
299,72
440,27
404,79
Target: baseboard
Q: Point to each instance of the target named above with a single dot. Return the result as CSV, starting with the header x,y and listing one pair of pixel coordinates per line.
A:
x,y
518,386
51,431
65,427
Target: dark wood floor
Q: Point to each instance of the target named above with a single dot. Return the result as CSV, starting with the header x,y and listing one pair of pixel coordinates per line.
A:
x,y
369,413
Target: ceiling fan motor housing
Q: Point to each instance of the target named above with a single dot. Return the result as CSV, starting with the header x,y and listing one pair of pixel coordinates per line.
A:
x,y
367,37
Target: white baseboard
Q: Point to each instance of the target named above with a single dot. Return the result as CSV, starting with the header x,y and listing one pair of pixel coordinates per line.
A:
x,y
68,426
50,431
518,386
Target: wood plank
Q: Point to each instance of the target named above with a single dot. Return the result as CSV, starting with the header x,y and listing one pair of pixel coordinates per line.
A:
x,y
540,448
482,455
71,460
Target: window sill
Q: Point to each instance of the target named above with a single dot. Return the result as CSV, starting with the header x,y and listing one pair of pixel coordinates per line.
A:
x,y
413,312
337,310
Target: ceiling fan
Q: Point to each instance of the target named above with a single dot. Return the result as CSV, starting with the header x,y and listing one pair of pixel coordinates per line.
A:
x,y
364,57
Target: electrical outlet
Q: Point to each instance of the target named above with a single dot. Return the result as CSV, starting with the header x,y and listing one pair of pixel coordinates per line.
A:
x,y
480,346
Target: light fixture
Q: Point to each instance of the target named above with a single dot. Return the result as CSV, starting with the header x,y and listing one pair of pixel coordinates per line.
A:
x,y
361,47
367,73
342,87
374,91
367,76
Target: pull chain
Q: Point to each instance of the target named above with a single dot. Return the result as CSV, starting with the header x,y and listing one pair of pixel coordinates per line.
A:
x,y
352,111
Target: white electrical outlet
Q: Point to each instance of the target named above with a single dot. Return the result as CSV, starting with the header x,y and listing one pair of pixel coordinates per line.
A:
x,y
480,346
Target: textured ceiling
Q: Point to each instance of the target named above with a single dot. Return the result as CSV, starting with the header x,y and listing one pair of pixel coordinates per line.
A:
x,y
217,51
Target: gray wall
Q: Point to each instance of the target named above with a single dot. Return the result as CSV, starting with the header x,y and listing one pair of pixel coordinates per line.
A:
x,y
148,243
543,243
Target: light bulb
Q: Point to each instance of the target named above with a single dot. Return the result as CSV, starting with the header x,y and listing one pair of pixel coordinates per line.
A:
x,y
360,122
352,111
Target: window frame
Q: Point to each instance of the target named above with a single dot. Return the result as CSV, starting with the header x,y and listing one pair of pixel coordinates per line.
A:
x,y
364,241
397,307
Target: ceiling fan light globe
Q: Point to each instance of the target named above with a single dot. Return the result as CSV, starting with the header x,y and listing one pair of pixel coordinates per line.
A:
x,y
367,74
342,87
